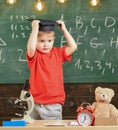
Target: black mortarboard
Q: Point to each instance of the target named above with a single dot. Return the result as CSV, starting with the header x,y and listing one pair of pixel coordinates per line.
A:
x,y
45,25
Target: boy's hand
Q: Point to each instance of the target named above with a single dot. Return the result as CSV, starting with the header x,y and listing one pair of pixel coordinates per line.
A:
x,y
35,24
61,25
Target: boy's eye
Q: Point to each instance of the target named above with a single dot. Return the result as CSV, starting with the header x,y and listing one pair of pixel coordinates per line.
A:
x,y
49,40
41,40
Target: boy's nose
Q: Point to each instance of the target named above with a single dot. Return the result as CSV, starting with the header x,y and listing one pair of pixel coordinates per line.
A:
x,y
45,44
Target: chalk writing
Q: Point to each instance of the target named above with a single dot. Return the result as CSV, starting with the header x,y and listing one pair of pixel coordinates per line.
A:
x,y
18,31
91,35
20,17
112,42
95,65
94,43
2,42
2,60
21,55
20,28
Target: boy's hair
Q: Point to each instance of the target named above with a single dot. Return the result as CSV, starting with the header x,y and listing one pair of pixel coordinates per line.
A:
x,y
47,33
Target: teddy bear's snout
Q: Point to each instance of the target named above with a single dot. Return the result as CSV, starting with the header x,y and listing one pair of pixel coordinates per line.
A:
x,y
104,96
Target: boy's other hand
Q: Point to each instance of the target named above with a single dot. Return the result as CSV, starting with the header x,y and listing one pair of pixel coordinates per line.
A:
x,y
35,24
61,24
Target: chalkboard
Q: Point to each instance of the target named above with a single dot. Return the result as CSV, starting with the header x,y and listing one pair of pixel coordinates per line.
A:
x,y
95,30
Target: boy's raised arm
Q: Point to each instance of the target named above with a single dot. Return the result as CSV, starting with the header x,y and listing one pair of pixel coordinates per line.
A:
x,y
32,41
72,46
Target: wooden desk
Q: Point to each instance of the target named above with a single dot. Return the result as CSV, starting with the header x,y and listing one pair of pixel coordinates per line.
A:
x,y
58,125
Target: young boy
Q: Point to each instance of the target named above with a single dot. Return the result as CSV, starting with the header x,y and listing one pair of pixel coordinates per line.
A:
x,y
45,65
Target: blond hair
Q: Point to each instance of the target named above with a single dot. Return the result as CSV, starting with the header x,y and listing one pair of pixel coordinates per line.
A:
x,y
51,33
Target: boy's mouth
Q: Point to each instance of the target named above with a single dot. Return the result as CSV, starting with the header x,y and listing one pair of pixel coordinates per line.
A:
x,y
45,49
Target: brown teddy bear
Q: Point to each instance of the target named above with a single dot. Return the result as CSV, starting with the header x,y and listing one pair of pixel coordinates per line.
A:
x,y
102,106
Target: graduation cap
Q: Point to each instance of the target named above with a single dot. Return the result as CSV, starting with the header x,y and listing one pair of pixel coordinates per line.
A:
x,y
45,25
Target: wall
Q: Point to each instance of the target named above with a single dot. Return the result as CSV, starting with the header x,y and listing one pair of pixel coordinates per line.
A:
x,y
75,95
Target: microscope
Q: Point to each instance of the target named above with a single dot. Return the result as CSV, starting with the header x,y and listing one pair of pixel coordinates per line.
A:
x,y
27,96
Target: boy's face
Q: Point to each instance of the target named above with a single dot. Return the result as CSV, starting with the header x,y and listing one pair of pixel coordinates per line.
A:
x,y
45,42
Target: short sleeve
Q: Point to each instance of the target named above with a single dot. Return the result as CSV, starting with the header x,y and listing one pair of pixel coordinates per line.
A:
x,y
30,60
64,56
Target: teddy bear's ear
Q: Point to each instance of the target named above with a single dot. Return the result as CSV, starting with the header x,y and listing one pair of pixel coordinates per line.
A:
x,y
112,92
97,89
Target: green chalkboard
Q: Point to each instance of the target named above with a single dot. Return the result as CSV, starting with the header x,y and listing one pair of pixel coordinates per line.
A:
x,y
95,30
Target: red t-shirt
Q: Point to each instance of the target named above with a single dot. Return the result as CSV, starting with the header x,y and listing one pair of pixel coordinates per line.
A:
x,y
46,76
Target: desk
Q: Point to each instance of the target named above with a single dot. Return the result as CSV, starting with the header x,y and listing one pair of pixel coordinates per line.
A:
x,y
58,125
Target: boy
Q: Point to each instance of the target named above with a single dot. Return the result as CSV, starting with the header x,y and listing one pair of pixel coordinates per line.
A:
x,y
45,65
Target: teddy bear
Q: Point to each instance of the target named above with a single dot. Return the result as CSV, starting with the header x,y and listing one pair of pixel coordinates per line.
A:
x,y
102,107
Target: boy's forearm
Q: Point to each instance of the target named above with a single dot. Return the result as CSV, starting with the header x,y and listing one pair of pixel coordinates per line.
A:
x,y
32,41
72,46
